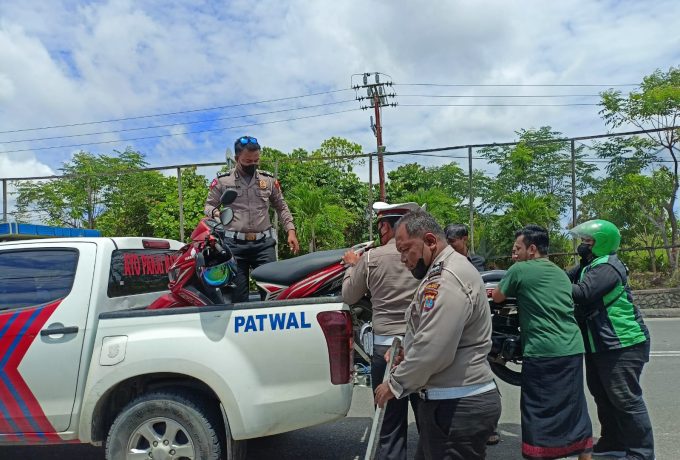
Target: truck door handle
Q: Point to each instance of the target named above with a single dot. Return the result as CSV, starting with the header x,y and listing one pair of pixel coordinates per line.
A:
x,y
59,330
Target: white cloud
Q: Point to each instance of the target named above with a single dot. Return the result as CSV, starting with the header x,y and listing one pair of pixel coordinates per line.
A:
x,y
65,62
15,166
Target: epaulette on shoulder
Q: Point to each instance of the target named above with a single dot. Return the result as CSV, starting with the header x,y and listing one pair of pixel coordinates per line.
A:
x,y
435,270
224,174
265,173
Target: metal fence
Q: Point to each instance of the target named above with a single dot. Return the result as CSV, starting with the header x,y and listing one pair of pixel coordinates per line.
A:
x,y
461,154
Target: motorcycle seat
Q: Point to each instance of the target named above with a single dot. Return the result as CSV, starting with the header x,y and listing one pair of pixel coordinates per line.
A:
x,y
289,271
492,276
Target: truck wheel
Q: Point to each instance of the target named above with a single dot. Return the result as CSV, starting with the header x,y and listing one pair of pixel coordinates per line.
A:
x,y
166,425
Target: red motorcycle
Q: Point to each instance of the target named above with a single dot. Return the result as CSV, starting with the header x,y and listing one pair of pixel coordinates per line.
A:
x,y
321,273
315,274
205,268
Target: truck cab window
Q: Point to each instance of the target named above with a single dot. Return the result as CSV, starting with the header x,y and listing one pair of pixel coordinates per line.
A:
x,y
35,277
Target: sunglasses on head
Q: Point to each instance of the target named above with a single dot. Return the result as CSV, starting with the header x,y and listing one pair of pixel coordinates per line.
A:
x,y
245,140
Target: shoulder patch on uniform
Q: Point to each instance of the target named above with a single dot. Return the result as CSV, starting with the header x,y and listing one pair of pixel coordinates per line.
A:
x,y
213,183
436,270
265,173
432,285
429,296
228,173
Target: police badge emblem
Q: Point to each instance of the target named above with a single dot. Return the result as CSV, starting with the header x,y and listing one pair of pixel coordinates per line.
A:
x,y
429,296
263,184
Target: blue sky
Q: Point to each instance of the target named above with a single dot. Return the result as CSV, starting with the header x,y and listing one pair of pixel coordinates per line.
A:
x,y
67,62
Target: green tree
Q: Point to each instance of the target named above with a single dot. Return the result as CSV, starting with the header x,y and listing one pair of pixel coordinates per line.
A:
x,y
443,207
320,220
539,165
96,191
407,179
449,178
656,105
522,209
164,215
635,203
335,177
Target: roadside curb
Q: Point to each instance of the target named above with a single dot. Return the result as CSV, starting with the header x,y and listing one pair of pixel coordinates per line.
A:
x,y
660,312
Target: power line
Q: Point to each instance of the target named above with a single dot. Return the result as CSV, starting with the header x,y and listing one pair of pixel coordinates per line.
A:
x,y
286,160
495,105
432,152
520,85
176,124
180,112
549,141
470,96
179,134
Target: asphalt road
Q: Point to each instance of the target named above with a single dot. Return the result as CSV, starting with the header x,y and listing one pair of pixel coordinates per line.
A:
x,y
346,439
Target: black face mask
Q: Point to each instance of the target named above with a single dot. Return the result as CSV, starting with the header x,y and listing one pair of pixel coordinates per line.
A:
x,y
249,170
584,250
420,270
383,235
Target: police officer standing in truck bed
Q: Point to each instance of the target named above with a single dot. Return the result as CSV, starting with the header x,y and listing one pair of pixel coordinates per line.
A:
x,y
250,235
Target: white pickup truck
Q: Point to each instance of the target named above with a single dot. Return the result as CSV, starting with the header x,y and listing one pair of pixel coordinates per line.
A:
x,y
82,360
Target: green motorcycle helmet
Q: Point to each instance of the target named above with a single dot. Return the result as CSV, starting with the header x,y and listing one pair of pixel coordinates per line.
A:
x,y
606,235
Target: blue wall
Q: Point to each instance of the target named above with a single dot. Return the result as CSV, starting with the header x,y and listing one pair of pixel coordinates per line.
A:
x,y
27,230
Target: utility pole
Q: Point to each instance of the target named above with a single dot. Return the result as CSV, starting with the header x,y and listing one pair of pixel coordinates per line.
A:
x,y
377,98
471,197
180,201
4,200
573,191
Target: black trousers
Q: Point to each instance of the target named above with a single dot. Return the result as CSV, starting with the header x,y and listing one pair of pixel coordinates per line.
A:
x,y
249,255
613,378
457,429
394,431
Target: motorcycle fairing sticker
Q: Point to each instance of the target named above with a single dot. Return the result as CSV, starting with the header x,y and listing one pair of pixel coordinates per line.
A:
x,y
20,413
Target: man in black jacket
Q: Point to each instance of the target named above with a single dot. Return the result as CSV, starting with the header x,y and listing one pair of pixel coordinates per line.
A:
x,y
616,340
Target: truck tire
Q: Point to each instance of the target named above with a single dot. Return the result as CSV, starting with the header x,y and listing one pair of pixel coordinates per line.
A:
x,y
166,425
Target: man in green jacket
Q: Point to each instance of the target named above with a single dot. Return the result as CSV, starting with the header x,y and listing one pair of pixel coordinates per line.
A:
x,y
616,340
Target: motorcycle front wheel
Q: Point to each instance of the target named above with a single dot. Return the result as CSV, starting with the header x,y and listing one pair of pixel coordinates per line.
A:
x,y
509,372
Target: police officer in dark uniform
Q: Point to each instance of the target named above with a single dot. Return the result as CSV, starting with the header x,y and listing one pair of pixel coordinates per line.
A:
x,y
250,234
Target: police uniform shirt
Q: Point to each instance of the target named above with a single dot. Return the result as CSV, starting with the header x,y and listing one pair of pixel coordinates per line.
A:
x,y
251,206
380,272
448,331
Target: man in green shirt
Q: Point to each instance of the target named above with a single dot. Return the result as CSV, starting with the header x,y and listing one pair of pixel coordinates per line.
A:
x,y
555,420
